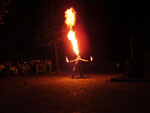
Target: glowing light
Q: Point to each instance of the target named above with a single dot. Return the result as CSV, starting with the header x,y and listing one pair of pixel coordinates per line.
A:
x,y
91,58
67,60
70,22
70,17
71,36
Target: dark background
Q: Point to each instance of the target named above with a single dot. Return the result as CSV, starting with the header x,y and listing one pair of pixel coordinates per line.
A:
x,y
103,28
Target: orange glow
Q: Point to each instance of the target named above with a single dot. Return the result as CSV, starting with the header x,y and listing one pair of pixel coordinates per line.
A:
x,y
91,58
71,36
70,17
67,60
70,22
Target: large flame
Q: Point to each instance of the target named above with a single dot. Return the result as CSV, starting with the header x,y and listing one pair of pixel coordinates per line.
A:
x,y
70,22
70,17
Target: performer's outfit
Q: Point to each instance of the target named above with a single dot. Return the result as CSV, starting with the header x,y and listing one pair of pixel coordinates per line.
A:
x,y
77,67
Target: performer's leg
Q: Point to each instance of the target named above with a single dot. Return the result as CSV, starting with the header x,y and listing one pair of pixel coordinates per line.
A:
x,y
81,75
73,72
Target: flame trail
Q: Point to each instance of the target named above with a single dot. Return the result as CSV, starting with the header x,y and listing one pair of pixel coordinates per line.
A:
x,y
70,15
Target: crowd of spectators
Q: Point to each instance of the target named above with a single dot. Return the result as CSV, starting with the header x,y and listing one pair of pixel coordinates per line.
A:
x,y
25,67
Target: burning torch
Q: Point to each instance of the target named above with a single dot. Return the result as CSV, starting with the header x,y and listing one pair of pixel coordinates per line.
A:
x,y
67,60
91,58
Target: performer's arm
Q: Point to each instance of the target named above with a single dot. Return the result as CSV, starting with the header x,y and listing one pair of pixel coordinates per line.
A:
x,y
71,61
84,60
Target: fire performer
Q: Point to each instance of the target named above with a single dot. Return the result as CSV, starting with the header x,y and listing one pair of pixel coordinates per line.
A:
x,y
70,15
77,65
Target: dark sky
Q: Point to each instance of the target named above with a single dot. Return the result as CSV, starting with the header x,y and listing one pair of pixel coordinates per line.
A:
x,y
107,25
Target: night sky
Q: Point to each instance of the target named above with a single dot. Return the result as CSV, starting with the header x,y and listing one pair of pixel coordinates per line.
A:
x,y
105,27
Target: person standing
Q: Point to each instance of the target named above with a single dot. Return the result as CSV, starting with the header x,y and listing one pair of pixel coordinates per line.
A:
x,y
77,65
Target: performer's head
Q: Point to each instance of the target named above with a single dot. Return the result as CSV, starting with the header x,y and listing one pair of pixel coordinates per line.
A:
x,y
78,56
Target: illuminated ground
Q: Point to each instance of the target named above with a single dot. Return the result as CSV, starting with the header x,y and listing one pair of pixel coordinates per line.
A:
x,y
61,94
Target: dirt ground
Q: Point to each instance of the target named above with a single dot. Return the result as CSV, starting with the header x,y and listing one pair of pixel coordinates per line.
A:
x,y
61,94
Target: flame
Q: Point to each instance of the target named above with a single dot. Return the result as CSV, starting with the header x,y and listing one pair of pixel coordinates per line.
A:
x,y
91,58
67,60
70,22
70,17
71,36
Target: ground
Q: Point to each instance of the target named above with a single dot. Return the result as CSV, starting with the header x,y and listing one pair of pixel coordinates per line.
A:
x,y
61,94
